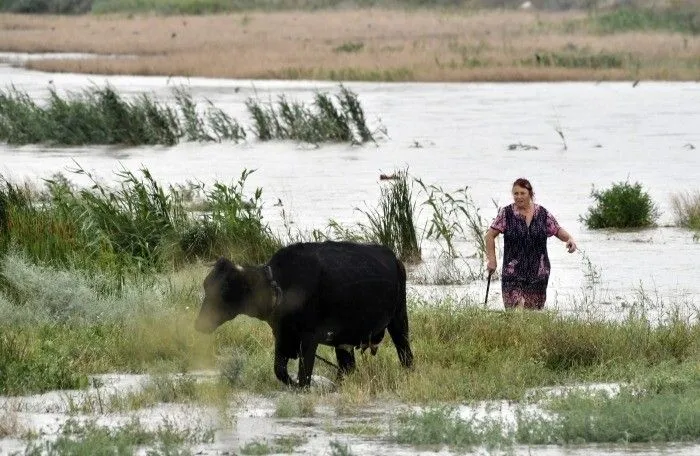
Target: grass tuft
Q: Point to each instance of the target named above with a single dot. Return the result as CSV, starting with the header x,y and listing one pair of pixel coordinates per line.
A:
x,y
686,209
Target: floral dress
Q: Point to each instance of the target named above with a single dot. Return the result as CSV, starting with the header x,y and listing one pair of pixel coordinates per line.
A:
x,y
526,265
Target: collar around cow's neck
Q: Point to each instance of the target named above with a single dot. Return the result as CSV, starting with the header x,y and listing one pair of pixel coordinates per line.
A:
x,y
275,286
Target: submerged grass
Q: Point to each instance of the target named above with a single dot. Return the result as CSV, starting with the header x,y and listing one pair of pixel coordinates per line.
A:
x,y
576,416
103,116
631,416
323,121
88,438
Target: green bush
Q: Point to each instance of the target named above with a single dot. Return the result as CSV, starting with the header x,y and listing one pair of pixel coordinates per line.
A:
x,y
624,205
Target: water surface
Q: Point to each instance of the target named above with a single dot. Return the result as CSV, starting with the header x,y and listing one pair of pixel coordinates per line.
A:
x,y
452,135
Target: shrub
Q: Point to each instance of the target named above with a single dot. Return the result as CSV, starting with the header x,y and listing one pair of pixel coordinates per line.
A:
x,y
624,205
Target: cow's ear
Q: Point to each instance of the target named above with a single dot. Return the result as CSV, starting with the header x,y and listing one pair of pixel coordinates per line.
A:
x,y
222,264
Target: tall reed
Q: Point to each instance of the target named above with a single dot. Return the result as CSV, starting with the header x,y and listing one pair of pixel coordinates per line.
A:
x,y
231,225
453,214
325,120
100,115
393,223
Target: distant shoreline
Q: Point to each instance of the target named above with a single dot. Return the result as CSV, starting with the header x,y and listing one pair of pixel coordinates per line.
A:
x,y
361,45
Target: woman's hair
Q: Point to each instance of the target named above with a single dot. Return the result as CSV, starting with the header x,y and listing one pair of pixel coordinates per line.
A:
x,y
524,183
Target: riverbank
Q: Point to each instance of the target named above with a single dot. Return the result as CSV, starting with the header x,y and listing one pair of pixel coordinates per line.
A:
x,y
363,44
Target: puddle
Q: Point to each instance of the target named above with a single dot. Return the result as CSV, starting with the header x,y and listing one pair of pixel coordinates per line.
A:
x,y
252,420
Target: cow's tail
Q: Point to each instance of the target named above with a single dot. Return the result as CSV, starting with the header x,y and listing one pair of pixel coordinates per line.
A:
x,y
402,285
398,326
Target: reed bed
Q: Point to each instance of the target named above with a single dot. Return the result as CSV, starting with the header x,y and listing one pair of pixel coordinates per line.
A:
x,y
377,44
102,116
135,227
324,121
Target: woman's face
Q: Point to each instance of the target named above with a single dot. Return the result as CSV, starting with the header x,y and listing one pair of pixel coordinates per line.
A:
x,y
521,196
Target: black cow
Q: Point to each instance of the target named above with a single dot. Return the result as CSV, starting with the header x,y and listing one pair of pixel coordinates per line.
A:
x,y
339,294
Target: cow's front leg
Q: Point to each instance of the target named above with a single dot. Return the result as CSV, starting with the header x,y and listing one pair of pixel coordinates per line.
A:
x,y
307,356
281,368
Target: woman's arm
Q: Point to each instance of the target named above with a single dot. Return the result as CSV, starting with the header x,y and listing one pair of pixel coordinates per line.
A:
x,y
490,240
564,235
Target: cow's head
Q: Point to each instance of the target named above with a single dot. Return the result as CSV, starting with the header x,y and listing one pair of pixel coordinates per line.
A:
x,y
227,291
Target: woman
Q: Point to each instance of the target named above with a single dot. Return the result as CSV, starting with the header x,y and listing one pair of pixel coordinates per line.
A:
x,y
525,227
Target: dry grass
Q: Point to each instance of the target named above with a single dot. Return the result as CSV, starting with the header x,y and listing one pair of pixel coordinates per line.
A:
x,y
396,45
10,425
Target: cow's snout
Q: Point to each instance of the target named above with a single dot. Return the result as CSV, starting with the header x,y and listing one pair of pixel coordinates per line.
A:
x,y
205,324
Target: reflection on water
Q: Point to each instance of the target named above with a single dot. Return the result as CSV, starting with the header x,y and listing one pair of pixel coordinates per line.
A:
x,y
452,135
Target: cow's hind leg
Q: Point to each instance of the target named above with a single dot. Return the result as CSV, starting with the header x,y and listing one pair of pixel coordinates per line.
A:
x,y
346,360
398,330
281,369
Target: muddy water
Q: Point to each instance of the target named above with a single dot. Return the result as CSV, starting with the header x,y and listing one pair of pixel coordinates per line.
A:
x,y
453,135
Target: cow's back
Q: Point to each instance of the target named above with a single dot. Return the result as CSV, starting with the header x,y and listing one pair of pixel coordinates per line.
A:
x,y
351,289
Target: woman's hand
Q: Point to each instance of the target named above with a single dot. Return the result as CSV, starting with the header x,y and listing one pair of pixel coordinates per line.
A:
x,y
491,265
571,245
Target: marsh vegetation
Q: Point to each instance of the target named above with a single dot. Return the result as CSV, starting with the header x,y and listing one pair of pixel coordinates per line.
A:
x,y
371,44
100,115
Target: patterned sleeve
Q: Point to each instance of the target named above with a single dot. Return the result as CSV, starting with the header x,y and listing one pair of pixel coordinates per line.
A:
x,y
499,223
552,225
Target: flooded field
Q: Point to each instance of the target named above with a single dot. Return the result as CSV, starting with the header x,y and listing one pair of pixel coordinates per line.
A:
x,y
452,135
252,425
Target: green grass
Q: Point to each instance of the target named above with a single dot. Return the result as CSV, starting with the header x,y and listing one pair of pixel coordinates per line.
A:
x,y
680,19
580,59
350,47
135,226
282,444
637,414
471,353
437,426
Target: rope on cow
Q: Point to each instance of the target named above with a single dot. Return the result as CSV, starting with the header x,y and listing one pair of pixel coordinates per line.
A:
x,y
326,361
273,283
